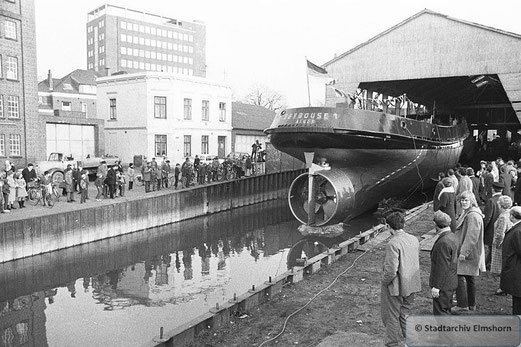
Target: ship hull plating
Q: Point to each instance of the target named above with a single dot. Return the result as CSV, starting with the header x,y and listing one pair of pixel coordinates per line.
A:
x,y
380,155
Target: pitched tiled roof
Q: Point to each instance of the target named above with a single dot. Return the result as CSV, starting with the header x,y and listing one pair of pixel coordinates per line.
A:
x,y
71,82
251,117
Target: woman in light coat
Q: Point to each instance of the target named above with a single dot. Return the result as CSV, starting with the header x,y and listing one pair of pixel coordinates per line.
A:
x,y
471,260
12,189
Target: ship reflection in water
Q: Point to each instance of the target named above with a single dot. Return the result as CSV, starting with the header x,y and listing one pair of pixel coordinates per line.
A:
x,y
120,291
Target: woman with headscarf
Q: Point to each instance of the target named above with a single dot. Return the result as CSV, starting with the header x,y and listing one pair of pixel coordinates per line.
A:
x,y
471,259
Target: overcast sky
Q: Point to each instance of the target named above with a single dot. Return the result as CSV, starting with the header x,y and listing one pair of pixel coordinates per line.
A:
x,y
263,41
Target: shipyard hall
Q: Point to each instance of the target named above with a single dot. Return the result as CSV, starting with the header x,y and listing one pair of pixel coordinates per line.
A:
x,y
455,68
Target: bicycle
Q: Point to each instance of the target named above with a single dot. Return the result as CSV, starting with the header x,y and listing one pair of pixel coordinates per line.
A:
x,y
35,195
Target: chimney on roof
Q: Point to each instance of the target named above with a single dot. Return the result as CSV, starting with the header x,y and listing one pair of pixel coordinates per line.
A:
x,y
107,71
49,80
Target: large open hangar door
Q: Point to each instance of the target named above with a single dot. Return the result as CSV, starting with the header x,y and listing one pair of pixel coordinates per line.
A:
x,y
78,140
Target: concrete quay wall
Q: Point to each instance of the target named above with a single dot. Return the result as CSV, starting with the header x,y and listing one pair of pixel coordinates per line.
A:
x,y
32,236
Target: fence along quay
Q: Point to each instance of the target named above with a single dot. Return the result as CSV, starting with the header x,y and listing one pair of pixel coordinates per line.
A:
x,y
32,236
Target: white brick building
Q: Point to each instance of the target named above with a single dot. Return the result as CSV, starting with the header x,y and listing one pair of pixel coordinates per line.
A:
x,y
156,113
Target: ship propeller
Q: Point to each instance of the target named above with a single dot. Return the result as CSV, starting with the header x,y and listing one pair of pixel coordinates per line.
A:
x,y
323,199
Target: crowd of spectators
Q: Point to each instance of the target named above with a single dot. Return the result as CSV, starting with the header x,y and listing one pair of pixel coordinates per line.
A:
x,y
478,223
113,181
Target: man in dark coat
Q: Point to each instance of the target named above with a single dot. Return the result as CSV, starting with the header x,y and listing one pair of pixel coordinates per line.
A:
x,y
491,213
517,188
510,281
447,201
506,178
29,174
437,190
475,184
111,181
444,265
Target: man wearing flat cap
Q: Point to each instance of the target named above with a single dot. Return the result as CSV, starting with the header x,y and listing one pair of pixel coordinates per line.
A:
x,y
491,212
443,279
510,281
400,279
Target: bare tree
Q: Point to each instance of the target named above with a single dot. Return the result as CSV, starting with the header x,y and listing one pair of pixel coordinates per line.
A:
x,y
264,96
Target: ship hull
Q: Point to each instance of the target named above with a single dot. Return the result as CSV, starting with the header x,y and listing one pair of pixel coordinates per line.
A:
x,y
376,155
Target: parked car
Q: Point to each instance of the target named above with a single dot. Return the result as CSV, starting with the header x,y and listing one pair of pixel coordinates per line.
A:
x,y
207,158
57,163
238,155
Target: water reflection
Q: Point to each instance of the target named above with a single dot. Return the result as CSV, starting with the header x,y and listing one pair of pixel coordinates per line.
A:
x,y
119,291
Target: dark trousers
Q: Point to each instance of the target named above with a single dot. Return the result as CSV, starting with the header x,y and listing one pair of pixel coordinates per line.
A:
x,y
441,305
130,185
488,256
83,196
466,291
176,181
100,192
112,189
147,186
6,204
516,305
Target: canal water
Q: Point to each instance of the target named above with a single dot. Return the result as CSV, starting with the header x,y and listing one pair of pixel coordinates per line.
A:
x,y
120,291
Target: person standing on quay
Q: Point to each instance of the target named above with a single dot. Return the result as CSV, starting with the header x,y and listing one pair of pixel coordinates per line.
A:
x,y
177,172
488,179
447,201
12,189
69,181
437,190
2,202
491,212
5,192
21,192
130,174
102,170
29,173
400,280
471,259
83,187
501,225
510,281
147,176
444,265
99,186
110,180
475,184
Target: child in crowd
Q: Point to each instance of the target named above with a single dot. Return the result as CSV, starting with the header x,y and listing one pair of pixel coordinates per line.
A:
x,y
47,186
12,189
21,192
99,186
130,174
120,182
83,187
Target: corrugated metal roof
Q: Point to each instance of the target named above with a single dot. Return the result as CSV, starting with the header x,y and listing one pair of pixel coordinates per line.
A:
x,y
423,12
251,117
